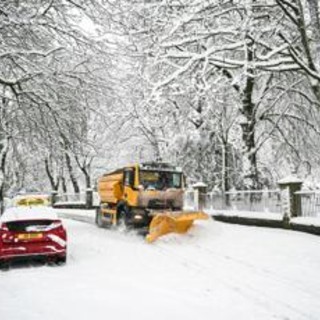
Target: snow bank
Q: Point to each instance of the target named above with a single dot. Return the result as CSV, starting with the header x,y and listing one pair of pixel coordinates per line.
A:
x,y
247,214
308,221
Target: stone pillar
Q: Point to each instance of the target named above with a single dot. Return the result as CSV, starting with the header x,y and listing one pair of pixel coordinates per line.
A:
x,y
54,194
89,198
200,189
289,186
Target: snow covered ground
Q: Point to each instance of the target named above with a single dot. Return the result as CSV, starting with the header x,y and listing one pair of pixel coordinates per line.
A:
x,y
217,271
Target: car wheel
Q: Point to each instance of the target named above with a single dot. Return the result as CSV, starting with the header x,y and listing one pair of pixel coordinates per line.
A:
x,y
4,265
61,260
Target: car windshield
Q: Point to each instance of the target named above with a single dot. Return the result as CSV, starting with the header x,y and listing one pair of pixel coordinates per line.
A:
x,y
160,180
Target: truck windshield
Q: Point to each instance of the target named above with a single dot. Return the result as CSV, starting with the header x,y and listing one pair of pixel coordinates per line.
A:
x,y
160,180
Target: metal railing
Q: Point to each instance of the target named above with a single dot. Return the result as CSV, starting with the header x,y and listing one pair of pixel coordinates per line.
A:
x,y
190,201
268,201
310,203
71,198
246,200
241,200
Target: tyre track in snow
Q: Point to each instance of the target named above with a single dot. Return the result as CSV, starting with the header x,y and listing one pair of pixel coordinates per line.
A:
x,y
261,271
223,258
259,296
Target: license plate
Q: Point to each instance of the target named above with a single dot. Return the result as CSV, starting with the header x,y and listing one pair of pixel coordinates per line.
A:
x,y
30,236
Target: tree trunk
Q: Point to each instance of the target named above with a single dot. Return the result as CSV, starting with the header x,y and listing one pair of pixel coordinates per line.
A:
x,y
311,57
248,136
54,183
225,183
64,184
3,156
88,180
315,23
71,174
248,126
86,176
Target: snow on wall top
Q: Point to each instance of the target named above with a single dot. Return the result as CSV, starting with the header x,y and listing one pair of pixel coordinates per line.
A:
x,y
290,179
28,213
199,184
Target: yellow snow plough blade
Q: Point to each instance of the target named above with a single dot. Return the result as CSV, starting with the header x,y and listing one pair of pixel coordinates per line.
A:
x,y
167,222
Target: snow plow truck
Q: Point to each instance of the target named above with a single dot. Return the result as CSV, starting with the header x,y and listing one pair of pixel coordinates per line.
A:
x,y
147,196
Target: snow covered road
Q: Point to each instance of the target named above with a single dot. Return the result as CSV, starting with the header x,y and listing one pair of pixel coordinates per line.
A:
x,y
217,271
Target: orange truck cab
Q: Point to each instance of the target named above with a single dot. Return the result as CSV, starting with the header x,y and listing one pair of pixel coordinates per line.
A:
x,y
134,194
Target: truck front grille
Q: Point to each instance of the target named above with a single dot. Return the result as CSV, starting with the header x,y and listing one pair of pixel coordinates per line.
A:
x,y
160,204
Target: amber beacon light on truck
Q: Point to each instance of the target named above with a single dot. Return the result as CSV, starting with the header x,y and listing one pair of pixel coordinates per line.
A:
x,y
148,196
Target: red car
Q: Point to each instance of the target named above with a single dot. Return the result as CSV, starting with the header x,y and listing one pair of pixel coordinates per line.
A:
x,y
32,232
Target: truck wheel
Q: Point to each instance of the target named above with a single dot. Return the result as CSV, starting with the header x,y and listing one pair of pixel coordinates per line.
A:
x,y
99,221
123,219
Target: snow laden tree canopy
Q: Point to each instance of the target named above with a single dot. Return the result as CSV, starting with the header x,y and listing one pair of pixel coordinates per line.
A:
x,y
252,58
229,90
55,76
